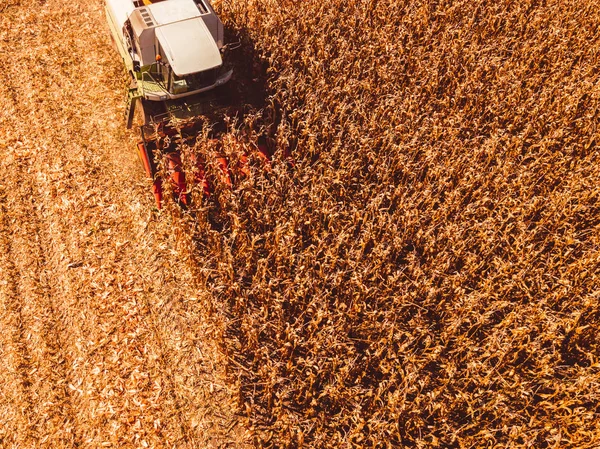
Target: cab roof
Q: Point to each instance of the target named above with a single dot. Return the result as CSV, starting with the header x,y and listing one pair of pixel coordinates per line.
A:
x,y
189,46
171,11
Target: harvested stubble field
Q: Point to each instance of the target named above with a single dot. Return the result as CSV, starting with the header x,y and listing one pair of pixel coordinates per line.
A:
x,y
426,275
101,340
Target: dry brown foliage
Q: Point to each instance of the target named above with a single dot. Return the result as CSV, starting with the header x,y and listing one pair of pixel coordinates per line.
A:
x,y
427,275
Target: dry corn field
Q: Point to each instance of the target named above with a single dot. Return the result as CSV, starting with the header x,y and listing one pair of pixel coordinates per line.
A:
x,y
425,274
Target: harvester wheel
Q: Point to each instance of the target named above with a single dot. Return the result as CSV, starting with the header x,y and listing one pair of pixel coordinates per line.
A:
x,y
145,110
139,116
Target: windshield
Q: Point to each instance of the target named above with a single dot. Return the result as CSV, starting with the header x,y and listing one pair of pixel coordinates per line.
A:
x,y
194,81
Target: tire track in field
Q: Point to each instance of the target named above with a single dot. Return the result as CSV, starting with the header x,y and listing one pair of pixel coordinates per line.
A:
x,y
54,416
16,410
47,241
45,400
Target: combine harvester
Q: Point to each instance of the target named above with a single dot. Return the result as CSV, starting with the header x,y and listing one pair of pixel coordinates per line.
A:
x,y
173,51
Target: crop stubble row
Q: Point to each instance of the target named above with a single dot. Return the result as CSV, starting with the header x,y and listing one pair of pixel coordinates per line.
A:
x,y
101,341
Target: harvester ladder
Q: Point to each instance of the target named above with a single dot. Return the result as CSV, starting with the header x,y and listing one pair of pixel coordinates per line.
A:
x,y
132,95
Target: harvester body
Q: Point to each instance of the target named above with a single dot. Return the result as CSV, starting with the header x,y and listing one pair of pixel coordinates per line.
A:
x,y
172,50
